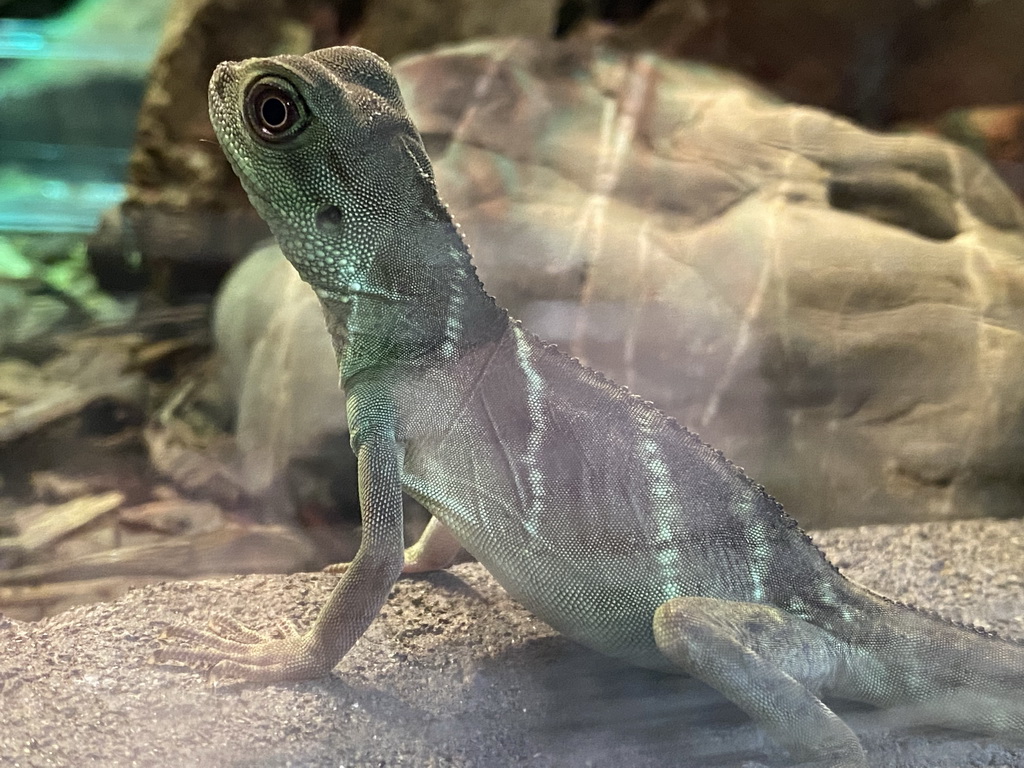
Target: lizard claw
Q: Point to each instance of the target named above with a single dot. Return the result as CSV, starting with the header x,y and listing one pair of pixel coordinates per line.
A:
x,y
229,650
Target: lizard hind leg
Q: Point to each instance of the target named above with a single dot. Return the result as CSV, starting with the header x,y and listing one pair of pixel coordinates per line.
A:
x,y
436,549
769,663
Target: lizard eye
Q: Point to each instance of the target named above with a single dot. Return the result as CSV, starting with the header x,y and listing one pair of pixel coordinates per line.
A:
x,y
273,109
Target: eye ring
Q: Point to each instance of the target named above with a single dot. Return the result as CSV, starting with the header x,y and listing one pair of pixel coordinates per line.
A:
x,y
274,110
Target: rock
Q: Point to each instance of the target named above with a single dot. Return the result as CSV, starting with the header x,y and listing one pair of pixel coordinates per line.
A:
x,y
185,213
838,311
881,62
452,673
394,28
256,328
878,61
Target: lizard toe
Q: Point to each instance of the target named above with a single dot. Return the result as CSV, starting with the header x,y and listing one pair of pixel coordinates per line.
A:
x,y
232,629
209,638
232,651
269,666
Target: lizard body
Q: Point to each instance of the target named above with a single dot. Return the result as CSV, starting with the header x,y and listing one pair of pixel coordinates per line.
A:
x,y
601,514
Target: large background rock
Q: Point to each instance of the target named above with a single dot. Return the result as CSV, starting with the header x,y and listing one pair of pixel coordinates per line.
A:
x,y
185,218
395,28
839,311
878,61
184,212
881,62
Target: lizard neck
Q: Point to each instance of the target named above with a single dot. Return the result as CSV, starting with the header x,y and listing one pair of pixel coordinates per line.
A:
x,y
422,305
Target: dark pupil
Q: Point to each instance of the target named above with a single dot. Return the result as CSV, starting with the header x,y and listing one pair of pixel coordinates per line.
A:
x,y
274,112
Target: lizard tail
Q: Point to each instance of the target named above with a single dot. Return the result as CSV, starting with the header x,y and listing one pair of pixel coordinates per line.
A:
x,y
941,673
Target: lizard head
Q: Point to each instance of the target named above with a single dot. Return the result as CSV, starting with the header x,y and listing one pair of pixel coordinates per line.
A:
x,y
328,156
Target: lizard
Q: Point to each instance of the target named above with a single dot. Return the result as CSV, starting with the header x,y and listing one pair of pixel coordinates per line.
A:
x,y
604,516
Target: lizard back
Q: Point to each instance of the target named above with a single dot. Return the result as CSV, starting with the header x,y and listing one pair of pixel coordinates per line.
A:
x,y
591,505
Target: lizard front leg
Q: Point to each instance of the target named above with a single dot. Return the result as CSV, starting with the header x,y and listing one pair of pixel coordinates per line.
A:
x,y
230,650
769,663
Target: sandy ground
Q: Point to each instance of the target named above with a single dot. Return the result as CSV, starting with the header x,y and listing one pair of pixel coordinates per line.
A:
x,y
454,673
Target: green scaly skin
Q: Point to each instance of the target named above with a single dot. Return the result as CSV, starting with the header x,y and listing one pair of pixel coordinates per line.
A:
x,y
602,515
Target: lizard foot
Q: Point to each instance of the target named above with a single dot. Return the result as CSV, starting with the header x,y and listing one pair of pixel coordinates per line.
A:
x,y
229,650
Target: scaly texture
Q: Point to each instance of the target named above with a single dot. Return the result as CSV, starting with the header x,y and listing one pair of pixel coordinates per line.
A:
x,y
605,517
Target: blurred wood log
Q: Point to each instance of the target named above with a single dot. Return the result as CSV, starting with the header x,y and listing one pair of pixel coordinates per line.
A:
x,y
231,549
42,525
